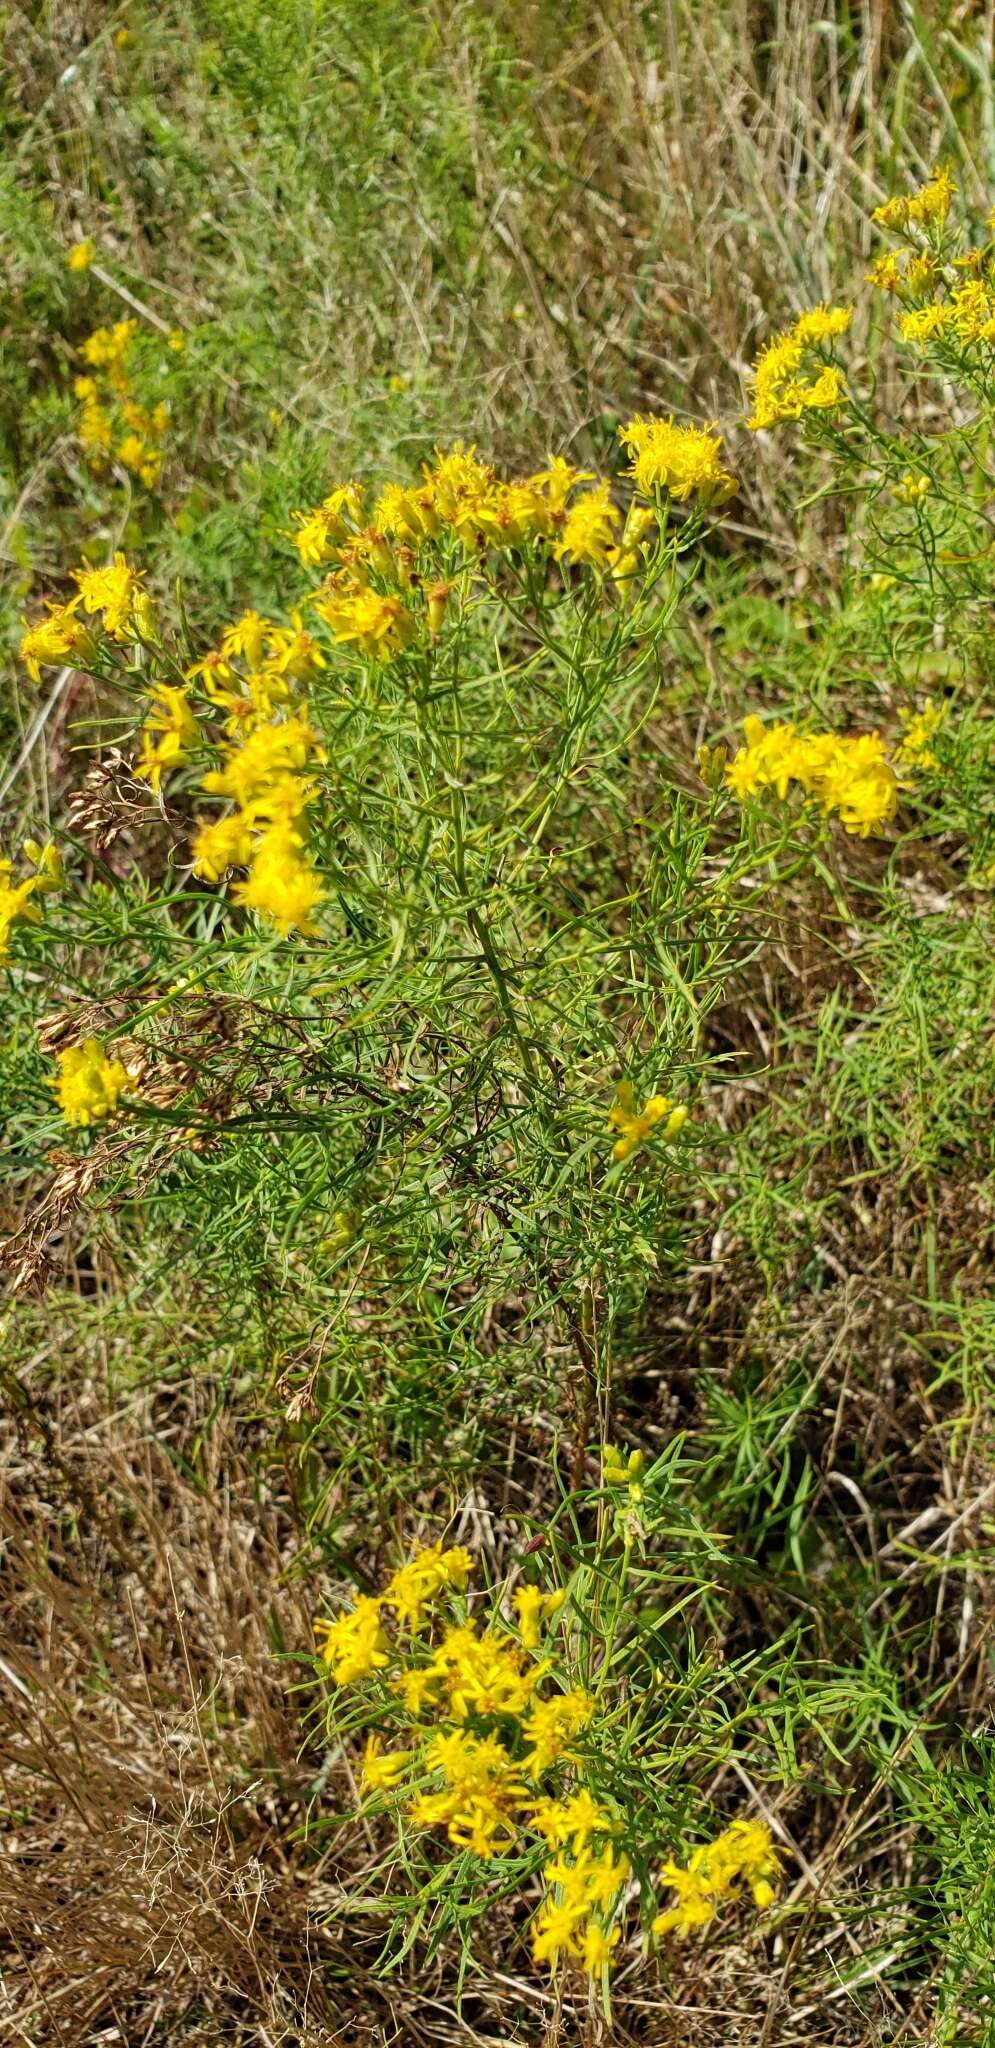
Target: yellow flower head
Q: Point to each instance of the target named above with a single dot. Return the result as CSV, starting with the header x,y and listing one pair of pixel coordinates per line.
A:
x,y
971,312
916,750
823,323
379,626
780,392
354,1643
533,1609
572,1821
591,1881
482,1674
636,1124
88,1084
826,390
928,207
886,273
686,461
508,515
851,777
481,1793
113,590
382,1770
282,883
82,253
144,461
246,639
410,515
313,538
57,638
696,1902
555,1930
928,323
218,846
557,481
424,1576
322,532
589,528
458,483
170,730
550,1728
920,272
417,1688
107,347
251,770
596,1948
15,902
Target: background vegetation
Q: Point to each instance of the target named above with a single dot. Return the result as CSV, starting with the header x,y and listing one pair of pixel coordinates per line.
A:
x,y
376,229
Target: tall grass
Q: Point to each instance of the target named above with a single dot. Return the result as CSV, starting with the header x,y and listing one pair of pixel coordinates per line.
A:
x,y
355,1268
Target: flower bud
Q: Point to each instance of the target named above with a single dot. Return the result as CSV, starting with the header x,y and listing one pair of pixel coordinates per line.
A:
x,y
712,765
48,860
437,600
640,521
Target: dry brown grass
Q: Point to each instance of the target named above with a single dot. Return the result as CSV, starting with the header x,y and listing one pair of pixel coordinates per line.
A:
x,y
150,1755
714,168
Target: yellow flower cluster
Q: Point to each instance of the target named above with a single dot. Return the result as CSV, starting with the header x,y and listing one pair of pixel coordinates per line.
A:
x,y
913,490
967,316
743,1854
916,748
685,461
321,533
849,777
924,324
416,1584
88,1083
890,274
957,293
377,599
583,1889
462,499
635,1124
618,1470
926,208
378,623
354,1643
782,387
59,636
253,675
589,529
483,1728
111,418
169,731
114,592
971,312
17,898
465,497
483,1733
